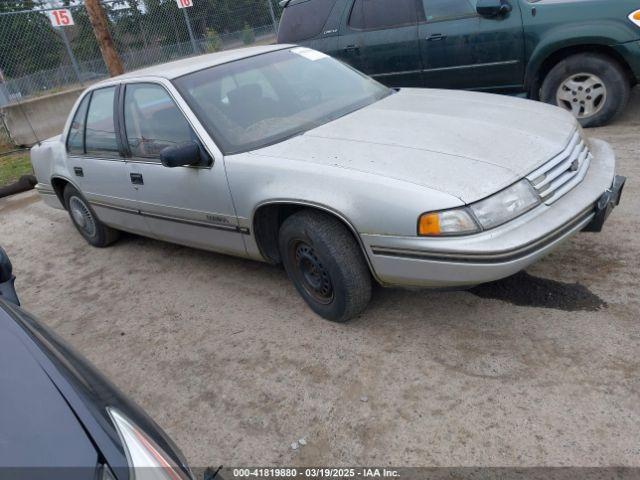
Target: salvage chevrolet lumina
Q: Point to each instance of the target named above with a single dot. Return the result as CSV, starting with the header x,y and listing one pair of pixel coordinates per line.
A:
x,y
284,155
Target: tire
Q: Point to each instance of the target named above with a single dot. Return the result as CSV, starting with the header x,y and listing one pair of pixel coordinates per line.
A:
x,y
86,221
326,265
571,83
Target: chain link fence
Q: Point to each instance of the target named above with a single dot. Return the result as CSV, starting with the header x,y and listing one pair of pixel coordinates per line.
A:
x,y
39,59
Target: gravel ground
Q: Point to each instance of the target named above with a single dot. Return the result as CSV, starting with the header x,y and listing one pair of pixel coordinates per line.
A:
x,y
541,369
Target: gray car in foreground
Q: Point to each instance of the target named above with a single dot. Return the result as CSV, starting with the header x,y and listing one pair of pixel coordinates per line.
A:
x,y
284,155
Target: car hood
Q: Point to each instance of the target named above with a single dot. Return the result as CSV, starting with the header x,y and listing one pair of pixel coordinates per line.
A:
x,y
467,144
39,429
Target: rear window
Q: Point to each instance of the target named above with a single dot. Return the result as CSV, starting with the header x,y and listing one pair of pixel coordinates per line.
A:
x,y
304,20
379,14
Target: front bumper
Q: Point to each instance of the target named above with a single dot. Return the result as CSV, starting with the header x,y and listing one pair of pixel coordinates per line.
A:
x,y
503,251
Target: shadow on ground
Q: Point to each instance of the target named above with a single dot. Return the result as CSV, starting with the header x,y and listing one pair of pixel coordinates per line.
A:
x,y
526,290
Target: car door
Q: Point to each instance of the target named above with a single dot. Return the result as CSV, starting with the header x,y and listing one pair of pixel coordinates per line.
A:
x,y
96,164
380,38
187,205
461,49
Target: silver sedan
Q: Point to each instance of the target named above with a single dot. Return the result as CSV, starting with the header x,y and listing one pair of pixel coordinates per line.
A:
x,y
284,155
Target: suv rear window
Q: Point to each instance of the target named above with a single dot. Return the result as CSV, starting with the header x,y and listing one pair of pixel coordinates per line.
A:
x,y
304,20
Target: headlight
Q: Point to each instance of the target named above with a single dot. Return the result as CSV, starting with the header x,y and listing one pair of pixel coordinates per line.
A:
x,y
506,205
635,17
145,458
449,222
485,214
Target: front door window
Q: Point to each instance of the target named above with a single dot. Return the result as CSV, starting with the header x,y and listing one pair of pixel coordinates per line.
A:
x,y
152,120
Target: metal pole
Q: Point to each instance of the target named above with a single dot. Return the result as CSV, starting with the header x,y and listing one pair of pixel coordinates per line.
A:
x,y
74,62
273,16
194,45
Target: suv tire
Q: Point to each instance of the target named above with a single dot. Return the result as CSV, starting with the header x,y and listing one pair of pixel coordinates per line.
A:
x,y
326,265
593,86
86,221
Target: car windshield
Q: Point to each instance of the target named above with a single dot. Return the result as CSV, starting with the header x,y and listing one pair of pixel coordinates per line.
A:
x,y
265,99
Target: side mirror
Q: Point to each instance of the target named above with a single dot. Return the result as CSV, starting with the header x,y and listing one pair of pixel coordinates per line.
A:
x,y
493,8
7,290
188,154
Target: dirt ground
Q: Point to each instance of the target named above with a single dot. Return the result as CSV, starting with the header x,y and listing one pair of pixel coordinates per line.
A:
x,y
541,369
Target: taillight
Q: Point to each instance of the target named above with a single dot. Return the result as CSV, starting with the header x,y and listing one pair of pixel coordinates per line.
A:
x,y
145,458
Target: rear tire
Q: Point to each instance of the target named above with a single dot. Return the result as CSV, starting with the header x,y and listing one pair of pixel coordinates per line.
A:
x,y
592,86
326,265
86,221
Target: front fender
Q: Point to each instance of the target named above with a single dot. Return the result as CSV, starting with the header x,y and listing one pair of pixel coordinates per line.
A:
x,y
368,203
543,43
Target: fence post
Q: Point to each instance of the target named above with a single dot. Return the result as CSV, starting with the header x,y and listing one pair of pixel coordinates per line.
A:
x,y
190,30
74,62
273,16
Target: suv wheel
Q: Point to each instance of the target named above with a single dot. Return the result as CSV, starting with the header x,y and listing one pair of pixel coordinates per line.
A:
x,y
593,87
85,220
326,265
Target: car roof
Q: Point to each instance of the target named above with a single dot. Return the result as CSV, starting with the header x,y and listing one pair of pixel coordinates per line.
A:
x,y
181,67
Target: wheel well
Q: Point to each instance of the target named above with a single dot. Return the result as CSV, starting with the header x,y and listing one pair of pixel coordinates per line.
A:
x,y
59,185
552,60
269,218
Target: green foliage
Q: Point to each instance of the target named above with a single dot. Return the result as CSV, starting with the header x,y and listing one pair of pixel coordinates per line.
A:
x,y
13,166
29,44
248,35
214,42
27,41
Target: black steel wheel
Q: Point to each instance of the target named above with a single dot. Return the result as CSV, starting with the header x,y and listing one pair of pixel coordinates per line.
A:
x,y
326,265
310,272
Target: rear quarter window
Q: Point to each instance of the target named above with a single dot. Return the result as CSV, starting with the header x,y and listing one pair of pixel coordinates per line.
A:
x,y
75,139
304,20
380,14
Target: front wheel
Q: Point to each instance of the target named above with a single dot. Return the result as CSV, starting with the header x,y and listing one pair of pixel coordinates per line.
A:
x,y
85,220
326,265
593,87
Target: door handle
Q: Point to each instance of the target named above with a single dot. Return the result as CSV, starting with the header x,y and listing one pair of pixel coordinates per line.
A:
x,y
434,37
78,171
352,48
136,178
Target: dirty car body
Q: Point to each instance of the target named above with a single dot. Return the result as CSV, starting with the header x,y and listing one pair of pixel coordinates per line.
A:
x,y
435,188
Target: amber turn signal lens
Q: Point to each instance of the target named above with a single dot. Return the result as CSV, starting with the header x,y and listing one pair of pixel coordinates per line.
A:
x,y
429,224
635,17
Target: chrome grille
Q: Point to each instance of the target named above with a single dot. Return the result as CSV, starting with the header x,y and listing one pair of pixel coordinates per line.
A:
x,y
563,172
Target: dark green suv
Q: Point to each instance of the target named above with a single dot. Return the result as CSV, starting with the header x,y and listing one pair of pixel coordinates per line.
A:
x,y
583,55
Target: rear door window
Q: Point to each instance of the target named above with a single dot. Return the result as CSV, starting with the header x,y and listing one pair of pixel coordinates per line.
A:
x,y
304,20
100,136
435,10
379,14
